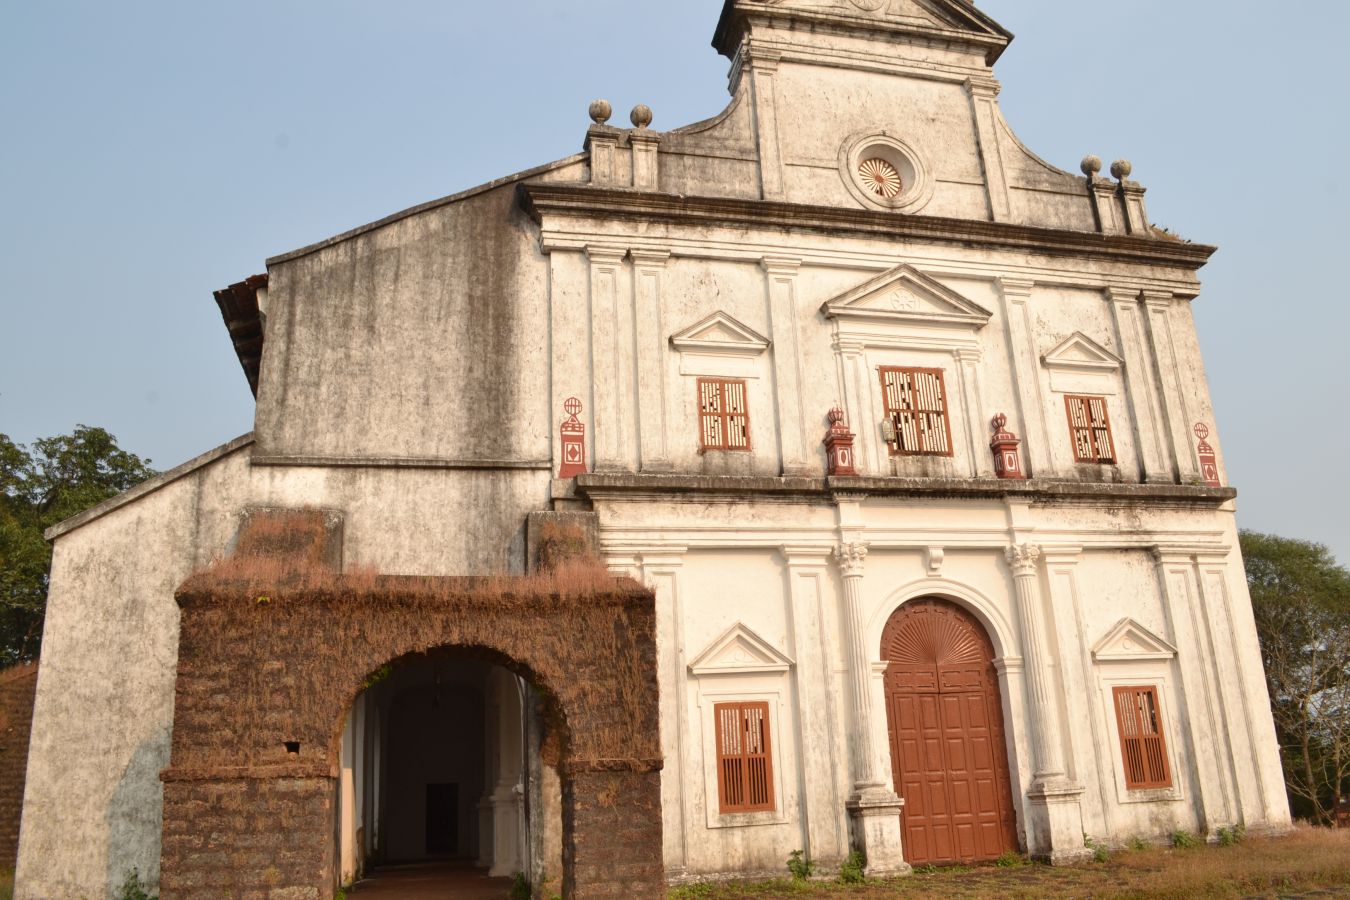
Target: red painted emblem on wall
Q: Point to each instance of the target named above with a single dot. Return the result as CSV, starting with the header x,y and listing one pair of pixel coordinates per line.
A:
x,y
839,445
573,441
1209,462
1007,459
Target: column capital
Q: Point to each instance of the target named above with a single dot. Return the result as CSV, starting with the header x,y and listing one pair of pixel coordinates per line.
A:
x,y
782,265
1063,555
605,254
1123,295
1158,301
850,557
650,257
1023,559
983,88
806,556
1016,288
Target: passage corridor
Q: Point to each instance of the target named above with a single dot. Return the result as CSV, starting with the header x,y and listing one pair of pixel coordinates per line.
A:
x,y
431,881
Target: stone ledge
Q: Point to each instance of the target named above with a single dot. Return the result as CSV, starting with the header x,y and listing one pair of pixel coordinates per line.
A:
x,y
540,199
746,487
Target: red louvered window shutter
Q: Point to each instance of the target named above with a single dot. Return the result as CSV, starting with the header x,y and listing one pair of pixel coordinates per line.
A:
x,y
1091,430
744,757
916,401
1141,738
724,415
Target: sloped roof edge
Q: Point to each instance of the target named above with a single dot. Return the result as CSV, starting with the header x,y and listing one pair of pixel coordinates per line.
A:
x,y
429,205
146,488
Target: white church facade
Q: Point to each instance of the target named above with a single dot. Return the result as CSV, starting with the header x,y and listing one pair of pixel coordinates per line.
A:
x,y
907,430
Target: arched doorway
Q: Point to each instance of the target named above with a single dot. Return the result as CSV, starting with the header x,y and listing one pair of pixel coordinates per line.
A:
x,y
944,716
441,780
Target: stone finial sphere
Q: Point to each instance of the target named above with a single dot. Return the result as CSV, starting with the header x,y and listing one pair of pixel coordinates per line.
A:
x,y
1121,169
1091,165
836,416
641,116
601,111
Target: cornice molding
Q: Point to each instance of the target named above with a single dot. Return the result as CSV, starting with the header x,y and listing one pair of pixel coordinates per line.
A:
x,y
579,201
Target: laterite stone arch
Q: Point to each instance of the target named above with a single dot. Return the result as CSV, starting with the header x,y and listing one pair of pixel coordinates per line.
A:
x,y
270,656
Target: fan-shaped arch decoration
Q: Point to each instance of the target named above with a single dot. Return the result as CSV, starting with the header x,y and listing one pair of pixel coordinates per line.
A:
x,y
934,632
880,177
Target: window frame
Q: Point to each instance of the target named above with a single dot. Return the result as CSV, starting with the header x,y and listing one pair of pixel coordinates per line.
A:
x,y
726,803
1092,430
1143,758
945,412
723,417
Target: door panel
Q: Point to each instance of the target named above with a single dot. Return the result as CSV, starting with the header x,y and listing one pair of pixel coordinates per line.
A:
x,y
945,723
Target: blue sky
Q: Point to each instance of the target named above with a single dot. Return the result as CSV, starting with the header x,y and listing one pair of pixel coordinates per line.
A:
x,y
156,151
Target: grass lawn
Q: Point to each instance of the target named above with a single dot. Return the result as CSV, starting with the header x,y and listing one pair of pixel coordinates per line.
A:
x,y
1314,862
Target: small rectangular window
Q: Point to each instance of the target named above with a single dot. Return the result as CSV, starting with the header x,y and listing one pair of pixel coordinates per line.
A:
x,y
724,416
744,757
1091,430
916,403
1142,745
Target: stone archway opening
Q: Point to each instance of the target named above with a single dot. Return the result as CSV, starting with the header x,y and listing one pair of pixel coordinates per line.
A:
x,y
275,649
944,717
442,782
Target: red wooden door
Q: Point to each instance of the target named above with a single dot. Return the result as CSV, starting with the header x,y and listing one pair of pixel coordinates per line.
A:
x,y
945,720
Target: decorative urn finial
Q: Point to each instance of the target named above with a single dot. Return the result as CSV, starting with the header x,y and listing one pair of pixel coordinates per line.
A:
x,y
839,445
1007,459
601,111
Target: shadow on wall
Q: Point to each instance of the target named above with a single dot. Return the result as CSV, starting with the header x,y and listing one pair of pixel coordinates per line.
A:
x,y
136,815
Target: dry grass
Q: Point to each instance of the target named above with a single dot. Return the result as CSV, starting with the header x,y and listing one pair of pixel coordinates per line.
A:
x,y
1309,862
276,642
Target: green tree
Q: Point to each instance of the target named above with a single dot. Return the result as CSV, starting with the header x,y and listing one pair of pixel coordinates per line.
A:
x,y
60,477
1301,599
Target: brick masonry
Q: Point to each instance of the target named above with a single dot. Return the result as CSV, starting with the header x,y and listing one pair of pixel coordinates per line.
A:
x,y
267,661
17,686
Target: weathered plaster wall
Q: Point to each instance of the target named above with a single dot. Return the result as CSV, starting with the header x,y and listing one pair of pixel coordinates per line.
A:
x,y
103,714
415,340
718,562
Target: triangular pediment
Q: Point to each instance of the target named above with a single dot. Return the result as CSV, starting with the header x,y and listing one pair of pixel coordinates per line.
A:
x,y
904,294
1129,641
1079,351
952,19
739,651
954,15
720,333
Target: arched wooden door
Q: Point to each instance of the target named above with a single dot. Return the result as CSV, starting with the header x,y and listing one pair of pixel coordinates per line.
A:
x,y
945,719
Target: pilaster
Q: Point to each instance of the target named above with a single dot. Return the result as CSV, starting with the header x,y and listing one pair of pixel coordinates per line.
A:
x,y
1158,307
611,376
763,91
1016,296
808,576
602,143
646,159
1198,698
1106,205
659,569
1055,826
984,104
781,273
853,376
873,806
1077,679
649,267
968,370
1145,412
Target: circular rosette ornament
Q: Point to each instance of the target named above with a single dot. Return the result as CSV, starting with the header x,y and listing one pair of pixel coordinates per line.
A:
x,y
881,178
